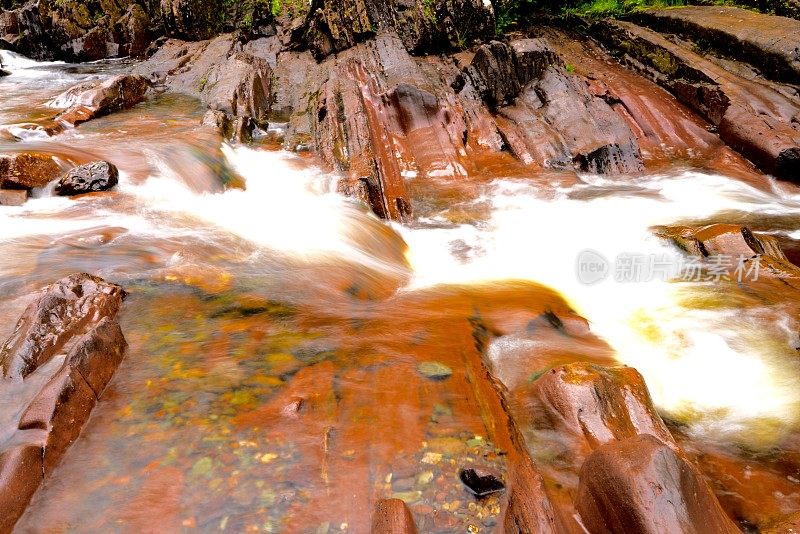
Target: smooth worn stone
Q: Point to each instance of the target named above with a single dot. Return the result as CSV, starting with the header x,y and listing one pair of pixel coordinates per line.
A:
x,y
13,197
89,178
63,310
584,406
115,94
434,370
27,170
481,482
20,475
55,366
642,485
392,516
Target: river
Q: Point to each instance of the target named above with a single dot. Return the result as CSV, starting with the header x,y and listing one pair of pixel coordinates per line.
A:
x,y
244,296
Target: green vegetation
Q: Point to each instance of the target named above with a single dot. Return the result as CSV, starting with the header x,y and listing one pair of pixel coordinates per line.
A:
x,y
606,8
510,12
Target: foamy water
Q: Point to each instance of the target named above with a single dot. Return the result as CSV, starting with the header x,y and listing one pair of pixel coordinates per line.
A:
x,y
731,377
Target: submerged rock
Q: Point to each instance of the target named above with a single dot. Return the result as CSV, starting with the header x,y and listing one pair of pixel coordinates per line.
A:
x,y
434,370
642,485
89,178
47,397
27,170
481,482
392,516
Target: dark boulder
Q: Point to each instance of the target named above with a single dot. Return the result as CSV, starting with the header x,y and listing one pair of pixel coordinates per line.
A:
x,y
642,485
89,178
481,482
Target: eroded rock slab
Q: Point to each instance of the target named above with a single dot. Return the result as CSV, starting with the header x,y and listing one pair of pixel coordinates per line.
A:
x,y
772,44
642,485
752,118
54,367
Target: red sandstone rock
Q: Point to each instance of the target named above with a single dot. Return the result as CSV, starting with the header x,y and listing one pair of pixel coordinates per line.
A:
x,y
27,170
392,516
55,366
115,94
21,472
13,197
642,485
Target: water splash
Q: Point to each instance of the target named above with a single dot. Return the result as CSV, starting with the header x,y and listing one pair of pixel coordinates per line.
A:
x,y
729,377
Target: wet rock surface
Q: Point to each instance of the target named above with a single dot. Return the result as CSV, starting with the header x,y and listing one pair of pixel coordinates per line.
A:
x,y
392,516
753,118
587,406
27,170
768,43
732,243
642,485
54,366
89,178
85,103
382,117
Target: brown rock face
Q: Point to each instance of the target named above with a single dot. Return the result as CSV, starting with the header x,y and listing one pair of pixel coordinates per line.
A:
x,y
332,26
115,94
735,242
756,119
557,123
588,406
382,117
54,366
769,43
642,485
192,19
392,516
219,73
27,170
13,197
62,312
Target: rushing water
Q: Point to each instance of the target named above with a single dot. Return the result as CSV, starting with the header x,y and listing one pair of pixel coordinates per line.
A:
x,y
236,291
